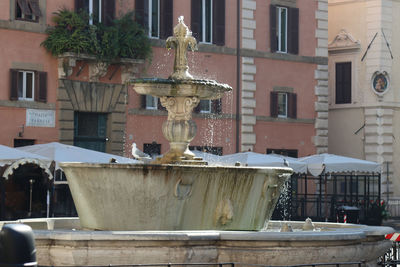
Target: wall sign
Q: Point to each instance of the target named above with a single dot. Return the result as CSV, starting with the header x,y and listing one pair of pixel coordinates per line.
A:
x,y
40,118
380,82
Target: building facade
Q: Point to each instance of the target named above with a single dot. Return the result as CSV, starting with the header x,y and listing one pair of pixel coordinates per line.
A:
x,y
364,100
275,59
273,53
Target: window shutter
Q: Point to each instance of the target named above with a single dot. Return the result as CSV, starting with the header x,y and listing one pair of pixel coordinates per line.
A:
x,y
219,22
108,12
293,30
142,13
166,18
292,105
274,104
41,86
272,27
143,101
216,106
13,84
196,19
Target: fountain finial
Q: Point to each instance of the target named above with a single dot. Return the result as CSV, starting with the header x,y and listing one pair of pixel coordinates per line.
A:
x,y
181,40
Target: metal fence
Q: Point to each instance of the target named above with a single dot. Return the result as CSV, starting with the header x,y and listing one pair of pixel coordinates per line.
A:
x,y
391,257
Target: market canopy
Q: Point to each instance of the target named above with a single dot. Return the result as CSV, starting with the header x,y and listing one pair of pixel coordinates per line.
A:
x,y
67,153
264,160
330,163
14,158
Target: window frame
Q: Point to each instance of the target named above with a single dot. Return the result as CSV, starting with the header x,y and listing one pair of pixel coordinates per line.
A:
x,y
155,102
204,111
150,19
91,14
285,115
204,22
24,89
35,18
279,29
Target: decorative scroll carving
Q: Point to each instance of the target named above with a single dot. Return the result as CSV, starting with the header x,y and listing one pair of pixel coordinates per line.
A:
x,y
344,41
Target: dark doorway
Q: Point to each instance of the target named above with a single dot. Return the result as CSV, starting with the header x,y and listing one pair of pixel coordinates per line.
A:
x,y
90,130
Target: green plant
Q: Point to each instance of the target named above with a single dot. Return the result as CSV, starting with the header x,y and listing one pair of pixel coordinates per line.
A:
x,y
72,33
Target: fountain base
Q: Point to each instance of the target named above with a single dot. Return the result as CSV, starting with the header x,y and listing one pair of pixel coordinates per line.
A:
x,y
332,243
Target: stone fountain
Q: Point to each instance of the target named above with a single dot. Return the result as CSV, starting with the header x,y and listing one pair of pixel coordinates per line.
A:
x,y
174,192
176,211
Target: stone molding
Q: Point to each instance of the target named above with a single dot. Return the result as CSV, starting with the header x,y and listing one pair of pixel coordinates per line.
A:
x,y
320,139
379,141
93,97
249,70
97,69
344,41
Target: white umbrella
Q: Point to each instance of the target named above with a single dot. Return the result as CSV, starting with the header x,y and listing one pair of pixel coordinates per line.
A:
x,y
266,160
331,163
67,153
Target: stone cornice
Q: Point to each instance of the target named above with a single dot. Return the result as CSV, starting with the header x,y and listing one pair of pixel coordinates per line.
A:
x,y
27,104
207,48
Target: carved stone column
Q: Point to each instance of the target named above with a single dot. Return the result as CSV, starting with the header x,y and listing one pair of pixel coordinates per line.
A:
x,y
179,129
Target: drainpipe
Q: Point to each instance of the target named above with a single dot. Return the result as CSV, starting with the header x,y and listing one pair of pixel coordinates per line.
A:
x,y
238,76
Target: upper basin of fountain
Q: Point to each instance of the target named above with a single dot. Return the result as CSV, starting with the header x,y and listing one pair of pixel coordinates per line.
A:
x,y
201,88
181,83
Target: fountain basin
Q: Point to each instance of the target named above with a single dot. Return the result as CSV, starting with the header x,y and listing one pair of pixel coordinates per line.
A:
x,y
64,245
172,197
203,89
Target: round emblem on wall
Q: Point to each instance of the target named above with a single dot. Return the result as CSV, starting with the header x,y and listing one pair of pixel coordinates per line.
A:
x,y
380,82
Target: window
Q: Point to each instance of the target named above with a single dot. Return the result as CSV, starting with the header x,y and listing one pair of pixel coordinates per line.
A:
x,y
152,149
98,10
28,10
284,152
284,33
281,31
209,106
156,16
154,20
283,105
151,102
23,142
205,106
28,85
343,83
208,21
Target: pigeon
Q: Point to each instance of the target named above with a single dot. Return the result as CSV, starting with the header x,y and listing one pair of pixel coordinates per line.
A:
x,y
286,163
139,155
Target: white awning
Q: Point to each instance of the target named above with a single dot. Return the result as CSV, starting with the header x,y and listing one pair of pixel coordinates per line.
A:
x,y
264,160
67,153
330,163
18,163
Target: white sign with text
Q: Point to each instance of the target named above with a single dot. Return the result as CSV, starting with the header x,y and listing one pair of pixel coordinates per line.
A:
x,y
40,118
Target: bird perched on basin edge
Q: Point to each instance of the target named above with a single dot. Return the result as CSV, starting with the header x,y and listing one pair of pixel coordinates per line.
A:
x,y
139,155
